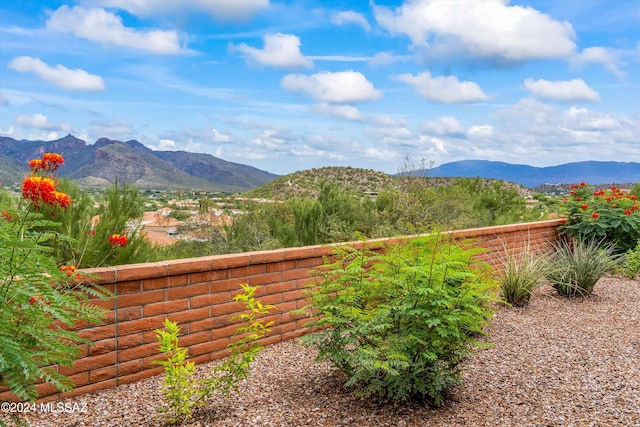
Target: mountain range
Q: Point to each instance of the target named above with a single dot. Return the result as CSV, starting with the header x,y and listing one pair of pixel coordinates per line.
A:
x,y
592,172
105,161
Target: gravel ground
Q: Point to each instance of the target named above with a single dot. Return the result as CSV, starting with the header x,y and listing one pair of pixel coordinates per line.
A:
x,y
557,362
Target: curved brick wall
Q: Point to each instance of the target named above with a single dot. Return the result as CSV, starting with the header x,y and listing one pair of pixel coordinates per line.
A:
x,y
197,293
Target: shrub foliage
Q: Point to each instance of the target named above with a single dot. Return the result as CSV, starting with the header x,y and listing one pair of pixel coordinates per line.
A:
x,y
399,325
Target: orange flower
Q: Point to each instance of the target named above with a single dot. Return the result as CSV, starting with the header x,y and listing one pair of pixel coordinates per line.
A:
x,y
69,269
6,215
62,199
117,240
613,205
634,207
578,199
39,189
632,197
51,161
595,215
608,199
575,186
35,165
563,221
583,184
627,212
585,207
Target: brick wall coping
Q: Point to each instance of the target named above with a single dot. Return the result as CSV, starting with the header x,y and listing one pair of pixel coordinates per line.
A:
x,y
120,273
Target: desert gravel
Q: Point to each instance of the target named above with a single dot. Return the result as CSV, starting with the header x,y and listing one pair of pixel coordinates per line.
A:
x,y
557,362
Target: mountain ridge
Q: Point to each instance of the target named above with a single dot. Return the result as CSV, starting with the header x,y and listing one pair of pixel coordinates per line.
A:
x,y
109,160
592,171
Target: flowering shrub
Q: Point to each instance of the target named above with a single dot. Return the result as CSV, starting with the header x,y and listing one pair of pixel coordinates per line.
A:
x,y
612,215
39,300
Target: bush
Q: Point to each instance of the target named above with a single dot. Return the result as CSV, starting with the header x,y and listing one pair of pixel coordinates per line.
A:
x,y
38,297
521,273
631,264
610,215
181,391
575,266
399,325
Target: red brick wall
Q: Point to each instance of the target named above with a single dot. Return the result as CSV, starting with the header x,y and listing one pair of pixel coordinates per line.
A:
x,y
198,294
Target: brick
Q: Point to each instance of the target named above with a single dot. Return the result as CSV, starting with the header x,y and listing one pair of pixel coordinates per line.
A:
x,y
141,298
226,285
179,280
140,271
130,367
192,339
208,347
309,262
80,379
148,362
205,358
298,253
263,257
188,291
182,317
276,288
140,325
280,266
189,265
210,323
131,340
208,276
132,378
101,275
294,334
283,328
155,283
230,307
103,374
225,332
89,363
221,262
295,274
109,304
90,388
138,352
209,300
101,347
165,307
294,295
270,340
271,299
98,333
128,287
129,313
265,278
246,271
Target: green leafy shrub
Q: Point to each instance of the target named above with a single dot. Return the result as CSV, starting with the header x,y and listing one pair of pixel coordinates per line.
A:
x,y
521,272
575,266
610,214
631,264
399,325
183,393
39,299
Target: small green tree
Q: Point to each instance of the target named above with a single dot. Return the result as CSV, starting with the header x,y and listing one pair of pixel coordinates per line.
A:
x,y
399,325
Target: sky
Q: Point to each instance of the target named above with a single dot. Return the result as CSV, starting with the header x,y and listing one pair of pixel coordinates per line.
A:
x,y
287,85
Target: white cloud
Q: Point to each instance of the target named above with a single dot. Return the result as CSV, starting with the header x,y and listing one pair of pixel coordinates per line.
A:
x,y
59,75
480,131
583,119
217,9
8,132
280,50
446,90
341,111
167,145
219,136
383,154
350,17
386,58
3,100
489,29
445,125
609,58
564,91
340,87
40,121
100,26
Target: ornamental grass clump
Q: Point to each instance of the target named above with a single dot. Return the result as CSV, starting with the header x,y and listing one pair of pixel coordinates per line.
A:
x,y
612,215
521,273
398,326
575,265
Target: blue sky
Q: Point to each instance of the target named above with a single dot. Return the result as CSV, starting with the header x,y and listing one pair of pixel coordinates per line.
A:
x,y
291,85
